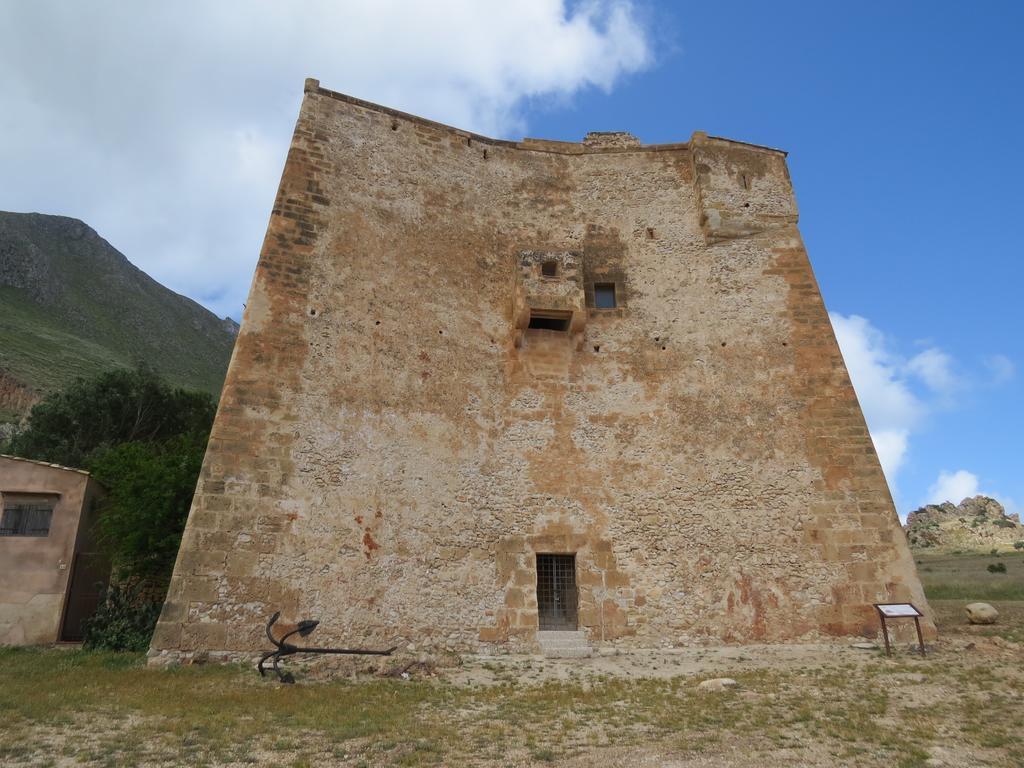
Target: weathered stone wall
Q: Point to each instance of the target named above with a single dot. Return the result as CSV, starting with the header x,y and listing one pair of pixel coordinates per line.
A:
x,y
394,445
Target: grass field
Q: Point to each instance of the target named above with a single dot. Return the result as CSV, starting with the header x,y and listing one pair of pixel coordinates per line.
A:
x,y
816,706
966,577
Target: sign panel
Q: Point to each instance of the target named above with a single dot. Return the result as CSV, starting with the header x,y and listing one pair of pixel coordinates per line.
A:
x,y
894,610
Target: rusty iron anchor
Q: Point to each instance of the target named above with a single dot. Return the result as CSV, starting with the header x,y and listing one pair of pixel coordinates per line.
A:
x,y
304,629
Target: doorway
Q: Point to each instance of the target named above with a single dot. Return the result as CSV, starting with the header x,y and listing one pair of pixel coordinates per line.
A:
x,y
89,575
557,597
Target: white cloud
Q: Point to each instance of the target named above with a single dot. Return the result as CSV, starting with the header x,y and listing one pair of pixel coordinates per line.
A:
x,y
953,486
165,125
898,395
891,409
891,446
961,484
935,368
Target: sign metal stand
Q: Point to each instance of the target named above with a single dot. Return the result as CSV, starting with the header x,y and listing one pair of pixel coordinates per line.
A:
x,y
899,611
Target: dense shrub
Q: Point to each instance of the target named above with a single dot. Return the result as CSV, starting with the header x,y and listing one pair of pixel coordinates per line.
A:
x,y
149,492
997,567
75,426
124,621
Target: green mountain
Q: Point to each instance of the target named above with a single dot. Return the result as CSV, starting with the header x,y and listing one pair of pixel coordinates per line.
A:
x,y
72,305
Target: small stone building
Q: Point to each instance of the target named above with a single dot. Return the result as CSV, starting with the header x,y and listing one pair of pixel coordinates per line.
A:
x,y
49,569
486,389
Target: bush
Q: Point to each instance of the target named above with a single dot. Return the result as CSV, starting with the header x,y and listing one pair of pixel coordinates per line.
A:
x,y
76,425
997,567
124,620
150,488
1018,545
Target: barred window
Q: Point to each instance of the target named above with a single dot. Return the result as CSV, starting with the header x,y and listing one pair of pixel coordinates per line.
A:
x,y
26,519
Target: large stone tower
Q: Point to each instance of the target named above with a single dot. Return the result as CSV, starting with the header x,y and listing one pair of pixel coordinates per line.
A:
x,y
485,388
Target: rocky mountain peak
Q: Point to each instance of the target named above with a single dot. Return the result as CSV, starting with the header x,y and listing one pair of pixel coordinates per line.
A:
x,y
979,522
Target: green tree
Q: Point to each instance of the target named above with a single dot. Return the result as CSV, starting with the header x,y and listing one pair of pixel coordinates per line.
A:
x,y
75,426
149,492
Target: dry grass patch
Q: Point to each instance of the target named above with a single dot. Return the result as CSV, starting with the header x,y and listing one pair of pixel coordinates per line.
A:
x,y
109,709
963,705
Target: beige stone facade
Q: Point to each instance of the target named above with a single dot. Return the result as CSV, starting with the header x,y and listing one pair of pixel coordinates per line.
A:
x,y
45,541
430,388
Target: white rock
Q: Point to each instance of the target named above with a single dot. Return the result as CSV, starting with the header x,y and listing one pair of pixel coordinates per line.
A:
x,y
981,613
716,684
905,677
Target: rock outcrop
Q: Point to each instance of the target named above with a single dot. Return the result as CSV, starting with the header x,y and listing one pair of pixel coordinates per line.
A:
x,y
977,523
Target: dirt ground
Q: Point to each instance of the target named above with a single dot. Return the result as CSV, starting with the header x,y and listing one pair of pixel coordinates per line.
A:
x,y
808,705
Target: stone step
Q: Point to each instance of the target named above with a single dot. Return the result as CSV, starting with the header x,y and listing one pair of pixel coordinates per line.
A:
x,y
564,645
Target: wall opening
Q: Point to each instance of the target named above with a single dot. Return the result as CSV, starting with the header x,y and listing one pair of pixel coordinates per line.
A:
x,y
27,516
557,596
549,320
604,295
549,269
90,572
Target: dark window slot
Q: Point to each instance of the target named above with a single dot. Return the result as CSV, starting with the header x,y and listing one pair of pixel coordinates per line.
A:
x,y
550,321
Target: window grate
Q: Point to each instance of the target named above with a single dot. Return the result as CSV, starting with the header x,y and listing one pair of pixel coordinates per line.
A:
x,y
26,520
557,597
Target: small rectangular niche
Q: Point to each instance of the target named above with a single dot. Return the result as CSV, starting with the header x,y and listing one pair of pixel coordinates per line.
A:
x,y
550,320
604,296
549,269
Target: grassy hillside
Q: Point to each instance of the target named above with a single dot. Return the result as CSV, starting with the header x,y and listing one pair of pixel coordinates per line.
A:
x,y
71,305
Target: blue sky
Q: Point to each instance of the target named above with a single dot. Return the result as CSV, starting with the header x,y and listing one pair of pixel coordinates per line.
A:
x,y
164,126
902,121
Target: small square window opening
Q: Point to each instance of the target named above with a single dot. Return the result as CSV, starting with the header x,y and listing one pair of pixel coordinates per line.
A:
x,y
549,269
604,295
26,520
